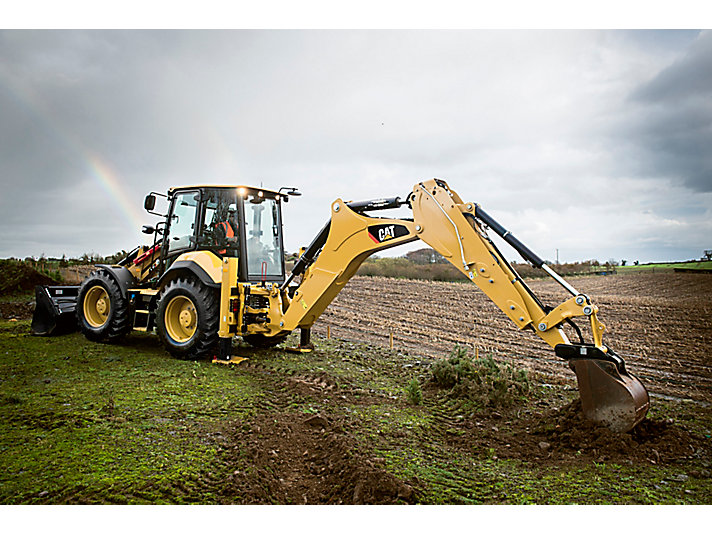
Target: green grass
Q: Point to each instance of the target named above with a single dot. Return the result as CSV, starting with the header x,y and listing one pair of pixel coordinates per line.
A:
x,y
124,421
91,423
696,265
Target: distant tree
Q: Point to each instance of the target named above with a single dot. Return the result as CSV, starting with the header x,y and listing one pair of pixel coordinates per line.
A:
x,y
623,262
114,258
425,256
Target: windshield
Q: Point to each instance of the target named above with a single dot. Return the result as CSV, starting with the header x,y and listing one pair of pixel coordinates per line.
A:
x,y
262,231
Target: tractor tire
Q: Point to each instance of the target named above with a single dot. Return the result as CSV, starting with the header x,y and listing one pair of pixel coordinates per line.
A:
x,y
260,341
102,311
187,318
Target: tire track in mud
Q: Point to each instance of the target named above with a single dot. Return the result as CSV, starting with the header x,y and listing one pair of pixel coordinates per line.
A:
x,y
660,323
285,456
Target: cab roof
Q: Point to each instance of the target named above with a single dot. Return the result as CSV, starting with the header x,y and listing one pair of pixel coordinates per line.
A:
x,y
222,186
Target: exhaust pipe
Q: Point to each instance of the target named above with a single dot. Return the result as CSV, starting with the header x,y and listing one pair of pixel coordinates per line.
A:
x,y
55,310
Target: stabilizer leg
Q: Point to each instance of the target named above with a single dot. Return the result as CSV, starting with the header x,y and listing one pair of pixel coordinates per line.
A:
x,y
225,353
305,344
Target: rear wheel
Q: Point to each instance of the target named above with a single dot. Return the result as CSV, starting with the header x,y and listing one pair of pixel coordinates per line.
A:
x,y
187,318
102,311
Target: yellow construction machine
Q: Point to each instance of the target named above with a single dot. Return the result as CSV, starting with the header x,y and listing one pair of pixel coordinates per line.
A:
x,y
216,270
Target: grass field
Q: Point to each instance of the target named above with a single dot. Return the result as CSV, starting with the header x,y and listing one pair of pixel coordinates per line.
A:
x,y
693,265
92,423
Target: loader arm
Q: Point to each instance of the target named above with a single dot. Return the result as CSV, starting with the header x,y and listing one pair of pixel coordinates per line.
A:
x,y
457,230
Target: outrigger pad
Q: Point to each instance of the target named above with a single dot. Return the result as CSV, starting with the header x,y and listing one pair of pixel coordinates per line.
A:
x,y
231,360
303,350
55,310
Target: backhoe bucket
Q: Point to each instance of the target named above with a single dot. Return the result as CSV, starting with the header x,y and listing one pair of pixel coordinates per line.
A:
x,y
54,310
609,394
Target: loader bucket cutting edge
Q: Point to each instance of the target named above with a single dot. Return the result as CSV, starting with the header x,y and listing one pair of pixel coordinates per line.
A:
x,y
54,310
610,396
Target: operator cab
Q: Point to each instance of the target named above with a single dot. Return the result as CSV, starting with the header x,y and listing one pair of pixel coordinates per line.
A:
x,y
230,221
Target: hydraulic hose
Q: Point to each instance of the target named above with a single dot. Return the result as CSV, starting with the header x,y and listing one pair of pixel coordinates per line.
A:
x,y
517,245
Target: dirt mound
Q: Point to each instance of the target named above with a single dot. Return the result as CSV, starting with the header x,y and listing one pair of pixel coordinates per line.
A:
x,y
305,459
16,276
16,310
654,441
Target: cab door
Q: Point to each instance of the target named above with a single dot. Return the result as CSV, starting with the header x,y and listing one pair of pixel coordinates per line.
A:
x,y
182,223
262,234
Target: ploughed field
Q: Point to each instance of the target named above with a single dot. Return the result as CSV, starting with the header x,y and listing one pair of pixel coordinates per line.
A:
x,y
660,323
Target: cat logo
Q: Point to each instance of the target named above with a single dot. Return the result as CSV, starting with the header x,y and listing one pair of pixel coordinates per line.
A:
x,y
385,232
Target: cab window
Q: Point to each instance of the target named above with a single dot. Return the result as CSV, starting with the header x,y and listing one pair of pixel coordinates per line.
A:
x,y
185,209
262,231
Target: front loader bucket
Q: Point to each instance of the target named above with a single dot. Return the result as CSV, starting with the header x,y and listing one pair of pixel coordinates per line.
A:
x,y
609,394
54,310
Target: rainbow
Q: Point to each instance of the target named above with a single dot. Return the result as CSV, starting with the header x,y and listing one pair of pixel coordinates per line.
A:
x,y
105,177
110,183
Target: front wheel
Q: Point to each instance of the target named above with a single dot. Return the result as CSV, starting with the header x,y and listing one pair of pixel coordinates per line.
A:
x,y
102,311
187,318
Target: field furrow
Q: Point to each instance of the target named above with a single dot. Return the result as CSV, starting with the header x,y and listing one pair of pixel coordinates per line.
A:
x,y
660,323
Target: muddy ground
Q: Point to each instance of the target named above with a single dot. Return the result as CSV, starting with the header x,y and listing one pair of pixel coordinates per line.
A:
x,y
91,423
319,458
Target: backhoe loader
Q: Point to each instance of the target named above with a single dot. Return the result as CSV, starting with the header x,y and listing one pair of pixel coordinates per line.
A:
x,y
216,270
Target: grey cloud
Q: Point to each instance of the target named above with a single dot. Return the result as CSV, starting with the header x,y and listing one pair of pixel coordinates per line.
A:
x,y
510,119
673,126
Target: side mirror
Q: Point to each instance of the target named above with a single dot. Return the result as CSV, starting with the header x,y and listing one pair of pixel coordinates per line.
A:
x,y
149,203
149,229
290,191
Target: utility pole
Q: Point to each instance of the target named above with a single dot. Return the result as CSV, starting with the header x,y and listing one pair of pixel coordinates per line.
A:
x,y
557,256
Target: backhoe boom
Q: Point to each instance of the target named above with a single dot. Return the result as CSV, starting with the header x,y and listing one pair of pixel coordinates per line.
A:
x,y
457,230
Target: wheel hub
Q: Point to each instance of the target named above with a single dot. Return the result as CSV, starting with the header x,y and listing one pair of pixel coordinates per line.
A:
x,y
181,319
187,317
97,306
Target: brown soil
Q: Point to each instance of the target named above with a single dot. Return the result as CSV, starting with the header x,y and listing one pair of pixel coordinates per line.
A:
x,y
564,436
308,459
75,274
659,323
290,453
17,310
16,277
286,456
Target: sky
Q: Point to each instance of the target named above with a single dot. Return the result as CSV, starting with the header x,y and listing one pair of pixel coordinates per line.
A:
x,y
592,143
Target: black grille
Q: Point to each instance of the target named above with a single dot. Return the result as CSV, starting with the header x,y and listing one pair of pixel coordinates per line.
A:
x,y
257,301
